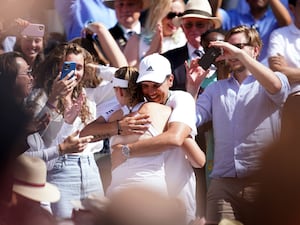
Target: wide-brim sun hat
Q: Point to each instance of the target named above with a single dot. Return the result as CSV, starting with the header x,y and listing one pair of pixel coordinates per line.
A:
x,y
198,9
154,68
110,4
30,180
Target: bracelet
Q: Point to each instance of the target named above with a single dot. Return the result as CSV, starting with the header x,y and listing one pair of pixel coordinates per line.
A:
x,y
119,127
51,106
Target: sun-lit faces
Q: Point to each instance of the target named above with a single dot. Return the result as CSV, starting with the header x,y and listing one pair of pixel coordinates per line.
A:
x,y
240,40
79,60
128,12
194,28
169,28
155,92
24,79
31,47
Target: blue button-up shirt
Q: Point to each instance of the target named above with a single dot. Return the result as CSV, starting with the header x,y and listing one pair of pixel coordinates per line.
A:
x,y
245,118
76,13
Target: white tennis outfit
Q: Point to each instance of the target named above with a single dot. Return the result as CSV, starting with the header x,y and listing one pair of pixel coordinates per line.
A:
x,y
139,171
180,176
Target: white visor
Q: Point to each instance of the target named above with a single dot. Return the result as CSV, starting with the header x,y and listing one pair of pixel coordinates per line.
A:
x,y
119,82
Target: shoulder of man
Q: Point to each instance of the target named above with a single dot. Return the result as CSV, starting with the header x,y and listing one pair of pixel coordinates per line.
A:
x,y
117,32
176,53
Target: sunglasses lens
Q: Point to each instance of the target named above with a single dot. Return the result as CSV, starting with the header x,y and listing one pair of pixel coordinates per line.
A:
x,y
188,25
171,15
240,46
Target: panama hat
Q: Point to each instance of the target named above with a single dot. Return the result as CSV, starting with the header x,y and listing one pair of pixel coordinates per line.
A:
x,y
198,9
30,180
110,4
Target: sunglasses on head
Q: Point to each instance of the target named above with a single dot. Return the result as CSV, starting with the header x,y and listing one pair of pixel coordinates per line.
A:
x,y
172,15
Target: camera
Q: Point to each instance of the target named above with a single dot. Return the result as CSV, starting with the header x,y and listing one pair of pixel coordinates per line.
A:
x,y
209,57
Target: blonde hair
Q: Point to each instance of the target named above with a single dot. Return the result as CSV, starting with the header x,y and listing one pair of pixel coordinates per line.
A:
x,y
134,90
157,11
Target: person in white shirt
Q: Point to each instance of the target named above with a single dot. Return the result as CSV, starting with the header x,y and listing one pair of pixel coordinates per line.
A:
x,y
284,48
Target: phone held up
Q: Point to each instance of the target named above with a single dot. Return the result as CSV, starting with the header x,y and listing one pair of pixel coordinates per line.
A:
x,y
209,57
33,30
67,68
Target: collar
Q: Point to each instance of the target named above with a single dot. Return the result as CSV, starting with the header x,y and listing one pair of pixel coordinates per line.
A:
x,y
136,28
191,50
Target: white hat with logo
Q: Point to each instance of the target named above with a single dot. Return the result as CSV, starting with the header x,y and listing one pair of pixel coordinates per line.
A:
x,y
154,68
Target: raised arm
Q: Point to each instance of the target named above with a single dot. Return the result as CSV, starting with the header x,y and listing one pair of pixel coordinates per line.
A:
x,y
281,13
108,45
265,76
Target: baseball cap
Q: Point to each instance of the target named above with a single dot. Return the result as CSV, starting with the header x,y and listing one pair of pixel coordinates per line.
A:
x,y
154,68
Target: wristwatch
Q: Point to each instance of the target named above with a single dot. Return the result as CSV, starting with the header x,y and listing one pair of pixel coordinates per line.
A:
x,y
126,151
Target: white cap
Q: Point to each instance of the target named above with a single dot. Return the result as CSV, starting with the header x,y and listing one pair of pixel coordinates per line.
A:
x,y
154,68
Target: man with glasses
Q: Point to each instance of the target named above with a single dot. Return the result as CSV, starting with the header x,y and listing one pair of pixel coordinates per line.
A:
x,y
196,19
245,112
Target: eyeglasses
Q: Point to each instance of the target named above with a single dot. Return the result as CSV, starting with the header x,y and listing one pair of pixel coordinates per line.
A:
x,y
241,45
26,73
198,25
172,15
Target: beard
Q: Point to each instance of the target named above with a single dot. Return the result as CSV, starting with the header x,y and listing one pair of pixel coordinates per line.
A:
x,y
237,68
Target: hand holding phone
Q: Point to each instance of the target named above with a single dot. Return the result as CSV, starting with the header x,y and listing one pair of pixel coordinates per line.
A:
x,y
209,57
33,30
67,68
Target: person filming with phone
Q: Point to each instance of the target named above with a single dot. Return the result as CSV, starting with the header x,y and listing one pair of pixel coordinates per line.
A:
x,y
245,110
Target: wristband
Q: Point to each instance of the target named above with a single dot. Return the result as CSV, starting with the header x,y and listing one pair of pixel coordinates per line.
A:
x,y
50,106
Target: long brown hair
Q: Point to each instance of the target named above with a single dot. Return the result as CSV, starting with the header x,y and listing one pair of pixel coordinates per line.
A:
x,y
47,72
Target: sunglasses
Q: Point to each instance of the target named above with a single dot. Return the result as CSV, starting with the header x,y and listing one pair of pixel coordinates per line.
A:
x,y
198,25
172,15
241,45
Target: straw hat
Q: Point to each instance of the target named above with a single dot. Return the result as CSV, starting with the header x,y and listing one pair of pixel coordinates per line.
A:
x,y
110,4
198,9
30,180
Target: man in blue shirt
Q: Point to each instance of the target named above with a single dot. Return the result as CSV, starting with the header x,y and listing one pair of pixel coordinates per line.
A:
x,y
265,16
245,110
76,13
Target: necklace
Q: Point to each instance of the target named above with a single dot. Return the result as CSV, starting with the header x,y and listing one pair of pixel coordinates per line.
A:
x,y
169,95
129,108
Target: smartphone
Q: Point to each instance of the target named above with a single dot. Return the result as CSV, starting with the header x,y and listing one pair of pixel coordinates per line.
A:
x,y
67,68
209,57
34,30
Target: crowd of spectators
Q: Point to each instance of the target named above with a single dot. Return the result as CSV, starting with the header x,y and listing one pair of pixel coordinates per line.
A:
x,y
175,112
